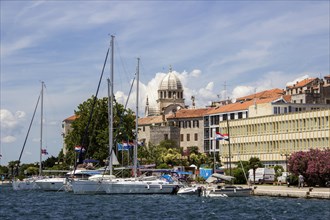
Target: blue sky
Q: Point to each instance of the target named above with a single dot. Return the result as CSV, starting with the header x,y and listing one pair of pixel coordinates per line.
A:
x,y
249,45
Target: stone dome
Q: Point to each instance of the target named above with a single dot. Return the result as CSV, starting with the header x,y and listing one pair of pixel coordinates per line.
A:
x,y
170,82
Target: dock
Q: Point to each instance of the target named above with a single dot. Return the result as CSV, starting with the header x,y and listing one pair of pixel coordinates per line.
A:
x,y
293,192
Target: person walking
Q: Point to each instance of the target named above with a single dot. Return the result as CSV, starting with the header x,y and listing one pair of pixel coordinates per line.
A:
x,y
300,181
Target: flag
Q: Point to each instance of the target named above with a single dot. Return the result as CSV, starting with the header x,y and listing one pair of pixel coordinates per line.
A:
x,y
219,136
79,148
44,151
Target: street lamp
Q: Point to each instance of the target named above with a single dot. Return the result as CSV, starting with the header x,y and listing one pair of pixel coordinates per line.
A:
x,y
286,154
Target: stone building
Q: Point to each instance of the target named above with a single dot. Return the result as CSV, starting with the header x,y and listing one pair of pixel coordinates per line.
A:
x,y
66,128
310,90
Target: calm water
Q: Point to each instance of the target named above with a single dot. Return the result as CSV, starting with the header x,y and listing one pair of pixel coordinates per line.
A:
x,y
61,205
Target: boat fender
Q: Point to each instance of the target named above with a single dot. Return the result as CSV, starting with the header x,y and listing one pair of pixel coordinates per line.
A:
x,y
234,190
160,186
148,186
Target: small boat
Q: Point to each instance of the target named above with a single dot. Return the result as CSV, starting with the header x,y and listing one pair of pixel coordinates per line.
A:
x,y
191,190
223,189
227,191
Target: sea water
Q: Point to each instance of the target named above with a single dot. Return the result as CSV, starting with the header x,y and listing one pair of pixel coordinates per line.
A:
x,y
63,205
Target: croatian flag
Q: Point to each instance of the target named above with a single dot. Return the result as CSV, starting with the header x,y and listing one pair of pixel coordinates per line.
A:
x,y
79,148
44,151
219,136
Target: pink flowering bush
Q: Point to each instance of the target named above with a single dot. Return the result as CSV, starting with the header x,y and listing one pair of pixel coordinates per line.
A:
x,y
314,165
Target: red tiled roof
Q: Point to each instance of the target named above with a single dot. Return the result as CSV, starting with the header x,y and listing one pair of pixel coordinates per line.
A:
x,y
150,120
71,118
264,94
237,106
189,113
301,83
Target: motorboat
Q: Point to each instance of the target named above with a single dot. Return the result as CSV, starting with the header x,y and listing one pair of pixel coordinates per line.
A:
x,y
190,190
227,191
222,189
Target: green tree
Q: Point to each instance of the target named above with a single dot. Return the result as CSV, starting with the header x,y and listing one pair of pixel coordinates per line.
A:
x,y
255,163
93,134
49,162
4,171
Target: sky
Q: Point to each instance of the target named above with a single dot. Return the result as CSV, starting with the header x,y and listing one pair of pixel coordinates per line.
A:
x,y
218,49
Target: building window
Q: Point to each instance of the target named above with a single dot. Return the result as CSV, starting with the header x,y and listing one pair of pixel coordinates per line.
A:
x,y
188,137
165,136
196,137
181,137
240,115
275,110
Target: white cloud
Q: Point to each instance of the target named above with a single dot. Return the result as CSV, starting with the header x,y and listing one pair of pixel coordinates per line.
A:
x,y
10,125
241,91
8,139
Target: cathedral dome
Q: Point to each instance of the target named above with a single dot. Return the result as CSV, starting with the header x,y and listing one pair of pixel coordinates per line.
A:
x,y
170,82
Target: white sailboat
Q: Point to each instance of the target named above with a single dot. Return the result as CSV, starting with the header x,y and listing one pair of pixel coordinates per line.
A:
x,y
93,185
135,185
30,183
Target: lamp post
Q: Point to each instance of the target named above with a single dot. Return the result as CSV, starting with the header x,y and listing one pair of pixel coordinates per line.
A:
x,y
285,154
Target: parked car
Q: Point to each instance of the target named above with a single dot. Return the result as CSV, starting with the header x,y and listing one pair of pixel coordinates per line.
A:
x,y
262,175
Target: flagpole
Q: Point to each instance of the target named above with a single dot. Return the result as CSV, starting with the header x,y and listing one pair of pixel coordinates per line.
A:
x,y
214,143
229,146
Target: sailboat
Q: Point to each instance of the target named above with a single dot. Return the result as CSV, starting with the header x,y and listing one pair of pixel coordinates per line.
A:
x,y
93,185
139,185
30,183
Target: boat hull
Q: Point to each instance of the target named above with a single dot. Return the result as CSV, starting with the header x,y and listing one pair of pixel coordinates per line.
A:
x,y
139,187
26,184
51,184
228,192
87,187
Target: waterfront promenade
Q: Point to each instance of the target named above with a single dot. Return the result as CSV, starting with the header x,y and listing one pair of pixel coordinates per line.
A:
x,y
292,191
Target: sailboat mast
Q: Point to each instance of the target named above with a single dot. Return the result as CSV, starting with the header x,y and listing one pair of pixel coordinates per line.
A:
x,y
110,98
136,116
41,125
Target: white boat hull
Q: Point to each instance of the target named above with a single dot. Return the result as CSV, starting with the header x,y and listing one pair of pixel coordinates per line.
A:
x,y
239,192
51,184
87,187
132,186
26,184
189,190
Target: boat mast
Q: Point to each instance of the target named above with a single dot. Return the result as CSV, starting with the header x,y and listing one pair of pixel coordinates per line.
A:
x,y
136,117
110,104
41,123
